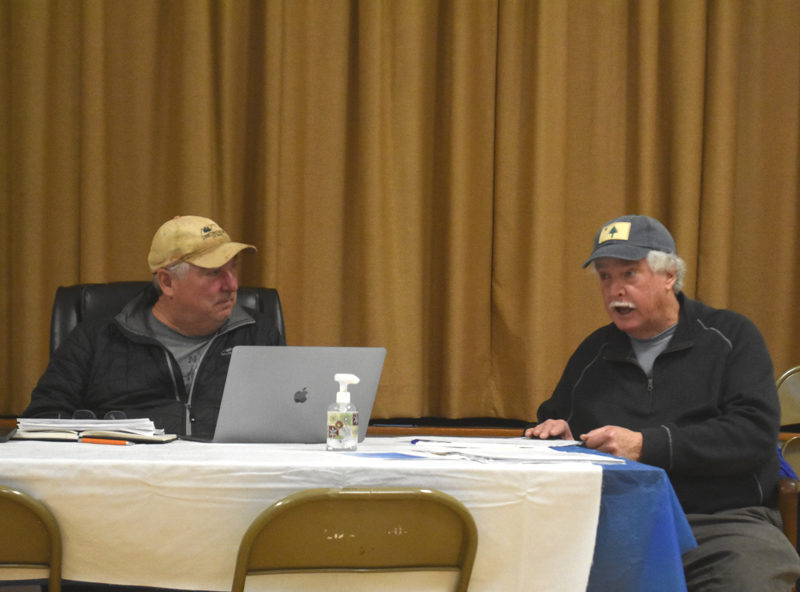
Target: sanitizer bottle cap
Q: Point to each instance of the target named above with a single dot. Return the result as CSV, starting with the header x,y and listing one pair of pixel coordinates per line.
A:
x,y
343,396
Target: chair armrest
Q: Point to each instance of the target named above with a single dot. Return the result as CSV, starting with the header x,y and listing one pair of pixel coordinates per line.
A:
x,y
787,504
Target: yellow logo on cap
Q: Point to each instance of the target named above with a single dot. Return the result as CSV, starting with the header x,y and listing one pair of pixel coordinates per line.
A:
x,y
615,231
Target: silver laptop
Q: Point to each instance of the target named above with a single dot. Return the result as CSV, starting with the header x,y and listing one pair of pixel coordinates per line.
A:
x,y
282,393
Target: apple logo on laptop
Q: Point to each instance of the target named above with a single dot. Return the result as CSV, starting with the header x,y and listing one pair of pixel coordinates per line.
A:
x,y
301,396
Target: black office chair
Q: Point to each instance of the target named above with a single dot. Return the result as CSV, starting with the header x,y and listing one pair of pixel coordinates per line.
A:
x,y
73,304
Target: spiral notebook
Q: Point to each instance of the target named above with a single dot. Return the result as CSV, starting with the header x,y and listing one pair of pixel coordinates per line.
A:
x,y
282,393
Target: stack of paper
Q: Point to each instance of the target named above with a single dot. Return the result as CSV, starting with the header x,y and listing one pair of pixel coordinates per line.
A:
x,y
134,430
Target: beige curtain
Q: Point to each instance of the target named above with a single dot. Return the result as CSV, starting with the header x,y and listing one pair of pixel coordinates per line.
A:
x,y
425,176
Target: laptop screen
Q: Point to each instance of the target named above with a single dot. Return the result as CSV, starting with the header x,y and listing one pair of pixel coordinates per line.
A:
x,y
282,393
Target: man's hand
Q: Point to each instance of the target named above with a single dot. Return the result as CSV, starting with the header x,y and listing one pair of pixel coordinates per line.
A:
x,y
551,428
615,440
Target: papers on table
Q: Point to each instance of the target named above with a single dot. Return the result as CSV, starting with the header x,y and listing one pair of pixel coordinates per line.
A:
x,y
524,450
140,425
138,429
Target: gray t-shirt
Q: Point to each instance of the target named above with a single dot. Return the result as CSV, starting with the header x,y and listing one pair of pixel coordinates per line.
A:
x,y
647,350
187,350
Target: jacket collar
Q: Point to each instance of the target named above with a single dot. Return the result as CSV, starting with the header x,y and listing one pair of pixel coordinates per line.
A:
x,y
619,343
684,333
133,317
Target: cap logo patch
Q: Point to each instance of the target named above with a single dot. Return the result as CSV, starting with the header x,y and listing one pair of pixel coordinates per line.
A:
x,y
207,232
615,231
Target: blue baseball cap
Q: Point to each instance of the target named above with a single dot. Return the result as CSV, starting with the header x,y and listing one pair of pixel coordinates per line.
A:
x,y
631,238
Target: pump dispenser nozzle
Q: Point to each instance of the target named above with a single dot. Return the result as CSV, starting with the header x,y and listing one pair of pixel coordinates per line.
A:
x,y
343,396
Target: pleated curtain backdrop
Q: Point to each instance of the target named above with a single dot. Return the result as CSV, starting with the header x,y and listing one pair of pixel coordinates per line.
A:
x,y
417,174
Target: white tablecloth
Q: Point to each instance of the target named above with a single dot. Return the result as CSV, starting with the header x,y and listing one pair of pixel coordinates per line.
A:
x,y
172,515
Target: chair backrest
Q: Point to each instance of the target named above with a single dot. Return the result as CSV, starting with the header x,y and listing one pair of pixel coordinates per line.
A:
x,y
789,395
358,530
29,535
73,304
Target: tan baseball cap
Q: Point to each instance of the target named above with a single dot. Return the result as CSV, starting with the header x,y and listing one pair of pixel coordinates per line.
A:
x,y
195,239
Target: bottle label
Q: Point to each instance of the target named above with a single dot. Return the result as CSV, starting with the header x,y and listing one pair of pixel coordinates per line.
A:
x,y
342,426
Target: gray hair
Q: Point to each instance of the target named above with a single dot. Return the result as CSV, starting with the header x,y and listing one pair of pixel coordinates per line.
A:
x,y
661,262
178,269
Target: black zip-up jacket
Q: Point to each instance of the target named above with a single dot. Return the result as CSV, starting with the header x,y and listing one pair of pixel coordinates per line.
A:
x,y
709,415
113,365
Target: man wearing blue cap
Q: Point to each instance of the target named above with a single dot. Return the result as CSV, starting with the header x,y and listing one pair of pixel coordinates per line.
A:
x,y
677,384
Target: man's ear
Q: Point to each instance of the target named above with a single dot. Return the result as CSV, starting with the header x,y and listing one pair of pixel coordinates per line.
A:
x,y
671,278
165,281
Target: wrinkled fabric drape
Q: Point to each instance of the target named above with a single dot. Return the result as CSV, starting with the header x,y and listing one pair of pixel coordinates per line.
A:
x,y
421,175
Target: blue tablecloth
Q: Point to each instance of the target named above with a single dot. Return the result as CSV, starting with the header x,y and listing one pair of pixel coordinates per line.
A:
x,y
641,534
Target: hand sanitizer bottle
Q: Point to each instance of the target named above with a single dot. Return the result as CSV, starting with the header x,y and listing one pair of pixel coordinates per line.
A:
x,y
343,417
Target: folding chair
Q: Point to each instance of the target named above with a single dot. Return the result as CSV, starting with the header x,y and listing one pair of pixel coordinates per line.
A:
x,y
360,530
29,535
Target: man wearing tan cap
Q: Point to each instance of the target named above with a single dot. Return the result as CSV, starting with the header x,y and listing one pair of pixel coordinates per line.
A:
x,y
165,356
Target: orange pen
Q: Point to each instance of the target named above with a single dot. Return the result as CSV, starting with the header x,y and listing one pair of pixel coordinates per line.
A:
x,y
106,441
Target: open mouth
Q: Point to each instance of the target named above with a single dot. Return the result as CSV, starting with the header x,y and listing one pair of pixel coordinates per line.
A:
x,y
622,308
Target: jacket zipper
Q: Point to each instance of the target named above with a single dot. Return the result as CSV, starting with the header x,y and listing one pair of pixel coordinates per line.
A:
x,y
175,388
190,394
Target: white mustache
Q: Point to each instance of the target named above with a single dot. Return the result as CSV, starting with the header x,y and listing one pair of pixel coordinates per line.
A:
x,y
621,304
